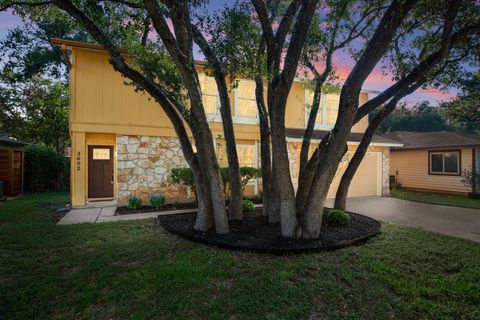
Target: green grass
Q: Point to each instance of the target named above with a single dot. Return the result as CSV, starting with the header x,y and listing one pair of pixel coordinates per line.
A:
x,y
436,198
134,269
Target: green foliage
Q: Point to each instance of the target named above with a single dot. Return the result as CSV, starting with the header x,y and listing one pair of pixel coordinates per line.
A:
x,y
134,203
469,178
26,51
248,205
183,177
234,37
37,112
437,198
248,174
463,112
157,201
338,217
45,170
422,117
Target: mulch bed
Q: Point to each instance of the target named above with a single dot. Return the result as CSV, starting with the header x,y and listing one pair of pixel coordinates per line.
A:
x,y
144,209
254,233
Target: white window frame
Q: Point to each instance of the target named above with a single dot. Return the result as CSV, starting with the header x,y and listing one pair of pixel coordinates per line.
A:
x,y
244,119
213,117
322,108
443,173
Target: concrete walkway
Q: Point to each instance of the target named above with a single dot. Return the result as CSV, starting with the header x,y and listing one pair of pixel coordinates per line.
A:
x,y
453,221
97,215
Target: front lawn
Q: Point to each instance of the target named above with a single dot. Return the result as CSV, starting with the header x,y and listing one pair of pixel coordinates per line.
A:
x,y
134,269
436,198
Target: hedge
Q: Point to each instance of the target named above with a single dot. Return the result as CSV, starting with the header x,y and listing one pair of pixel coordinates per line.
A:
x,y
45,170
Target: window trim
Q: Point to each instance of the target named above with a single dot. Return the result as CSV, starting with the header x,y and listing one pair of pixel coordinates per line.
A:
x,y
212,117
459,166
322,108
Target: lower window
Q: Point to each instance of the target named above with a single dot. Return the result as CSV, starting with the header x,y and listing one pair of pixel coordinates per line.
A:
x,y
444,162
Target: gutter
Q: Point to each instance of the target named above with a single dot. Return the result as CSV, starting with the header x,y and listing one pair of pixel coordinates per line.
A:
x,y
373,144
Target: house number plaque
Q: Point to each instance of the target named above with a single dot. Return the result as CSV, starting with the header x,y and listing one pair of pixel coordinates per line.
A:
x,y
78,160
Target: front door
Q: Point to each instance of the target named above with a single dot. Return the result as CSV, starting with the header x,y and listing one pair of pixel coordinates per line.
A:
x,y
100,172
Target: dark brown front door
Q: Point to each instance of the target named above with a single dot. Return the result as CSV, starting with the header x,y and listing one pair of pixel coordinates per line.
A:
x,y
100,172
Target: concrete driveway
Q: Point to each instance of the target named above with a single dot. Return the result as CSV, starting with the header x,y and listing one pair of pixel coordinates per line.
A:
x,y
453,221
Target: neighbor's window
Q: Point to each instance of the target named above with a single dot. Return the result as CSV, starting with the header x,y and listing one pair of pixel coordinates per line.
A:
x,y
209,94
246,102
445,162
246,155
309,102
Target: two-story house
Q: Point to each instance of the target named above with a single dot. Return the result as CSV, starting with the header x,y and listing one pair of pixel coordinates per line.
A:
x,y
124,145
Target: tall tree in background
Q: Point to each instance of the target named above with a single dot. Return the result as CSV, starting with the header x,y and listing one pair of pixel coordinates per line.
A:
x,y
33,89
37,112
464,111
422,117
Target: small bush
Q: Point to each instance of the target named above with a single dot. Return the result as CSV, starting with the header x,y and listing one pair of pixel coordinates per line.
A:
x,y
183,176
247,205
157,201
134,203
338,217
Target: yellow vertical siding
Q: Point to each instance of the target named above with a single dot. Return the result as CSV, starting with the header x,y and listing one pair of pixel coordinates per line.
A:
x,y
412,168
78,169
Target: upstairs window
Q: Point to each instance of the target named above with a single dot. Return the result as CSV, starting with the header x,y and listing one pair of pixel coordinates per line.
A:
x,y
332,102
444,162
327,110
209,94
245,102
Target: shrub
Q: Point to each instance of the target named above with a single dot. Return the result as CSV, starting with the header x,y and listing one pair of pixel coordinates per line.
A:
x,y
184,177
134,203
249,173
247,205
45,170
338,217
157,201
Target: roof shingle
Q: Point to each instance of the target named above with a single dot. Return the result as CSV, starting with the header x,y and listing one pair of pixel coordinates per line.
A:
x,y
437,139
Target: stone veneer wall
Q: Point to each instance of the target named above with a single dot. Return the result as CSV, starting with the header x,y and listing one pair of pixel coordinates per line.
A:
x,y
386,172
144,164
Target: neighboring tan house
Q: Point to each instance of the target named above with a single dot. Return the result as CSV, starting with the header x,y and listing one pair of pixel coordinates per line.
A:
x,y
124,145
434,161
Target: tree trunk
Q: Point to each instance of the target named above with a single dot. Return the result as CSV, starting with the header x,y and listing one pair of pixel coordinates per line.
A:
x,y
235,205
208,163
342,192
265,152
307,137
281,168
204,221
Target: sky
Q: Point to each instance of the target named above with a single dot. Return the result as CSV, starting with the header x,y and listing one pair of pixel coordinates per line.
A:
x,y
343,63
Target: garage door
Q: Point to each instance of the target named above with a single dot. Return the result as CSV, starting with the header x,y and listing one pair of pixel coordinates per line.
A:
x,y
367,180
